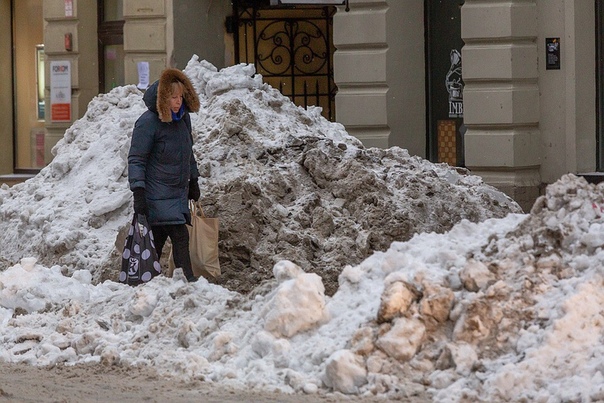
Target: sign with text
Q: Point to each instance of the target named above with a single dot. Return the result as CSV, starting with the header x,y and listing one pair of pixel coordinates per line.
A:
x,y
454,84
60,91
143,75
68,8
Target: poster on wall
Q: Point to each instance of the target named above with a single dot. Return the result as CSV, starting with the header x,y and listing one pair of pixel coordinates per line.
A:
x,y
60,91
454,84
68,8
552,48
143,75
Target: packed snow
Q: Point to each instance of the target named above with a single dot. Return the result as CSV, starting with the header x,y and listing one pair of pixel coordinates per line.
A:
x,y
284,182
495,306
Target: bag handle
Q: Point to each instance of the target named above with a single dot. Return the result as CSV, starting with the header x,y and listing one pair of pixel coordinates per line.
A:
x,y
140,224
195,207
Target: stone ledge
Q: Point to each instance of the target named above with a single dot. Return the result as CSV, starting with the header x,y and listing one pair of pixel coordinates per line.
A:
x,y
13,179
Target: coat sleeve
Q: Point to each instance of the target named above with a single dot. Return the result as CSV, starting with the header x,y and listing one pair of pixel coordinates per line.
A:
x,y
194,170
140,149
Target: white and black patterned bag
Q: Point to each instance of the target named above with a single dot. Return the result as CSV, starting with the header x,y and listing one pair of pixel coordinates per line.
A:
x,y
139,258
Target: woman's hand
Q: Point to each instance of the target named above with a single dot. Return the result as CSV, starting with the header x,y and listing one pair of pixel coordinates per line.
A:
x,y
194,192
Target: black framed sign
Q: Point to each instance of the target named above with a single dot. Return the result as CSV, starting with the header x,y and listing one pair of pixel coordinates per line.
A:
x,y
552,53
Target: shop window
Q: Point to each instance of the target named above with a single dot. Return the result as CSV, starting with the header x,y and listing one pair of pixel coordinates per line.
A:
x,y
111,44
28,85
40,80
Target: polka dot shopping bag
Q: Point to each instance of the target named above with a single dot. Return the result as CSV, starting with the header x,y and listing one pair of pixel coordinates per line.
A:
x,y
140,262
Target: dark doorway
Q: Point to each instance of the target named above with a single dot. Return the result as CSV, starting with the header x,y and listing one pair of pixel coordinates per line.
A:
x,y
291,47
444,81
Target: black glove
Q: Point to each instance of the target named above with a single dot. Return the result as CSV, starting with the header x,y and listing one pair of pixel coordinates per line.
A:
x,y
140,202
194,192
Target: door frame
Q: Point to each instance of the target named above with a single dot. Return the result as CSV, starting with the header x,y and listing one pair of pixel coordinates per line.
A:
x,y
432,146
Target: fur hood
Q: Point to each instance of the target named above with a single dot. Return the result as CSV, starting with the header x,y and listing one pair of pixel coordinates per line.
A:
x,y
157,96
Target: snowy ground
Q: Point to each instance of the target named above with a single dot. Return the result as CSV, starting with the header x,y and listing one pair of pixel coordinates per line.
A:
x,y
501,306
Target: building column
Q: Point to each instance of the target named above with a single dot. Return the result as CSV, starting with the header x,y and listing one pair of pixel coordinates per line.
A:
x,y
79,20
148,37
501,95
379,69
359,36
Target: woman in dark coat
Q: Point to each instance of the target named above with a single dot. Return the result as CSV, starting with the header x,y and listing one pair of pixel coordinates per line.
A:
x,y
162,170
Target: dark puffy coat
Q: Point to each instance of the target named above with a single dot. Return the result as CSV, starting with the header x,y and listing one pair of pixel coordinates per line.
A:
x,y
161,158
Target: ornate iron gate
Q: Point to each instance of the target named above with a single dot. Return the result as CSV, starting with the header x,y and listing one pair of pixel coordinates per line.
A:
x,y
291,47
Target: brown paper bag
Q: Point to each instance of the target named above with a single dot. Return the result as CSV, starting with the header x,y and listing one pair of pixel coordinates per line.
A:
x,y
203,245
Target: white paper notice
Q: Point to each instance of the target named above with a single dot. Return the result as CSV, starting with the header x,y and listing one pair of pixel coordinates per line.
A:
x,y
68,8
60,91
143,75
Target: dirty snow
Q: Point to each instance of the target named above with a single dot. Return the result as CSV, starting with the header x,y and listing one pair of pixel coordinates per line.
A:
x,y
285,183
459,296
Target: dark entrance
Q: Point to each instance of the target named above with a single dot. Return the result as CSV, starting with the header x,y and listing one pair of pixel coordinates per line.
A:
x,y
444,81
291,47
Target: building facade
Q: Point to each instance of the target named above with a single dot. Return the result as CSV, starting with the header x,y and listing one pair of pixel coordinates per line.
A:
x,y
509,89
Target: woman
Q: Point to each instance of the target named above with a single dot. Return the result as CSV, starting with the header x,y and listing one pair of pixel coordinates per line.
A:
x,y
162,170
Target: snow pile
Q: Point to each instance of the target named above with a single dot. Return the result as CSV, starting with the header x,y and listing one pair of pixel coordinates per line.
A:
x,y
538,325
285,183
518,319
69,214
504,310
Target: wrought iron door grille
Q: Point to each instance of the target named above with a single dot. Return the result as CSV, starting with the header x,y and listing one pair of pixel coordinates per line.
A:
x,y
293,51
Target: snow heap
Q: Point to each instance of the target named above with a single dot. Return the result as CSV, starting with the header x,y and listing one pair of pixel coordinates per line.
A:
x,y
69,214
504,310
488,309
285,183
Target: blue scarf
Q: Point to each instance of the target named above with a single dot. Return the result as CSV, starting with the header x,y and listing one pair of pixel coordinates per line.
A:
x,y
177,116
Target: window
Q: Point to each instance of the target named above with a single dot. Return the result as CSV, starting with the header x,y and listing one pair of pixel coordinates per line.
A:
x,y
28,59
111,44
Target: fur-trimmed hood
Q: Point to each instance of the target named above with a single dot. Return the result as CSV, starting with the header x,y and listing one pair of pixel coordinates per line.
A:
x,y
157,96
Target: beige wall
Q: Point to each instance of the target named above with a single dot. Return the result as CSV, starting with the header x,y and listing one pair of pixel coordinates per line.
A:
x,y
525,125
200,31
567,96
405,72
6,92
501,95
528,125
379,71
82,25
360,63
148,37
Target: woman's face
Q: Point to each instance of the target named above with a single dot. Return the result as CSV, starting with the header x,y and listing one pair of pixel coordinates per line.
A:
x,y
176,99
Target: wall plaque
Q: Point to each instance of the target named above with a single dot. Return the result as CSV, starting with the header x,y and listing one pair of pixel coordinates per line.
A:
x,y
552,53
